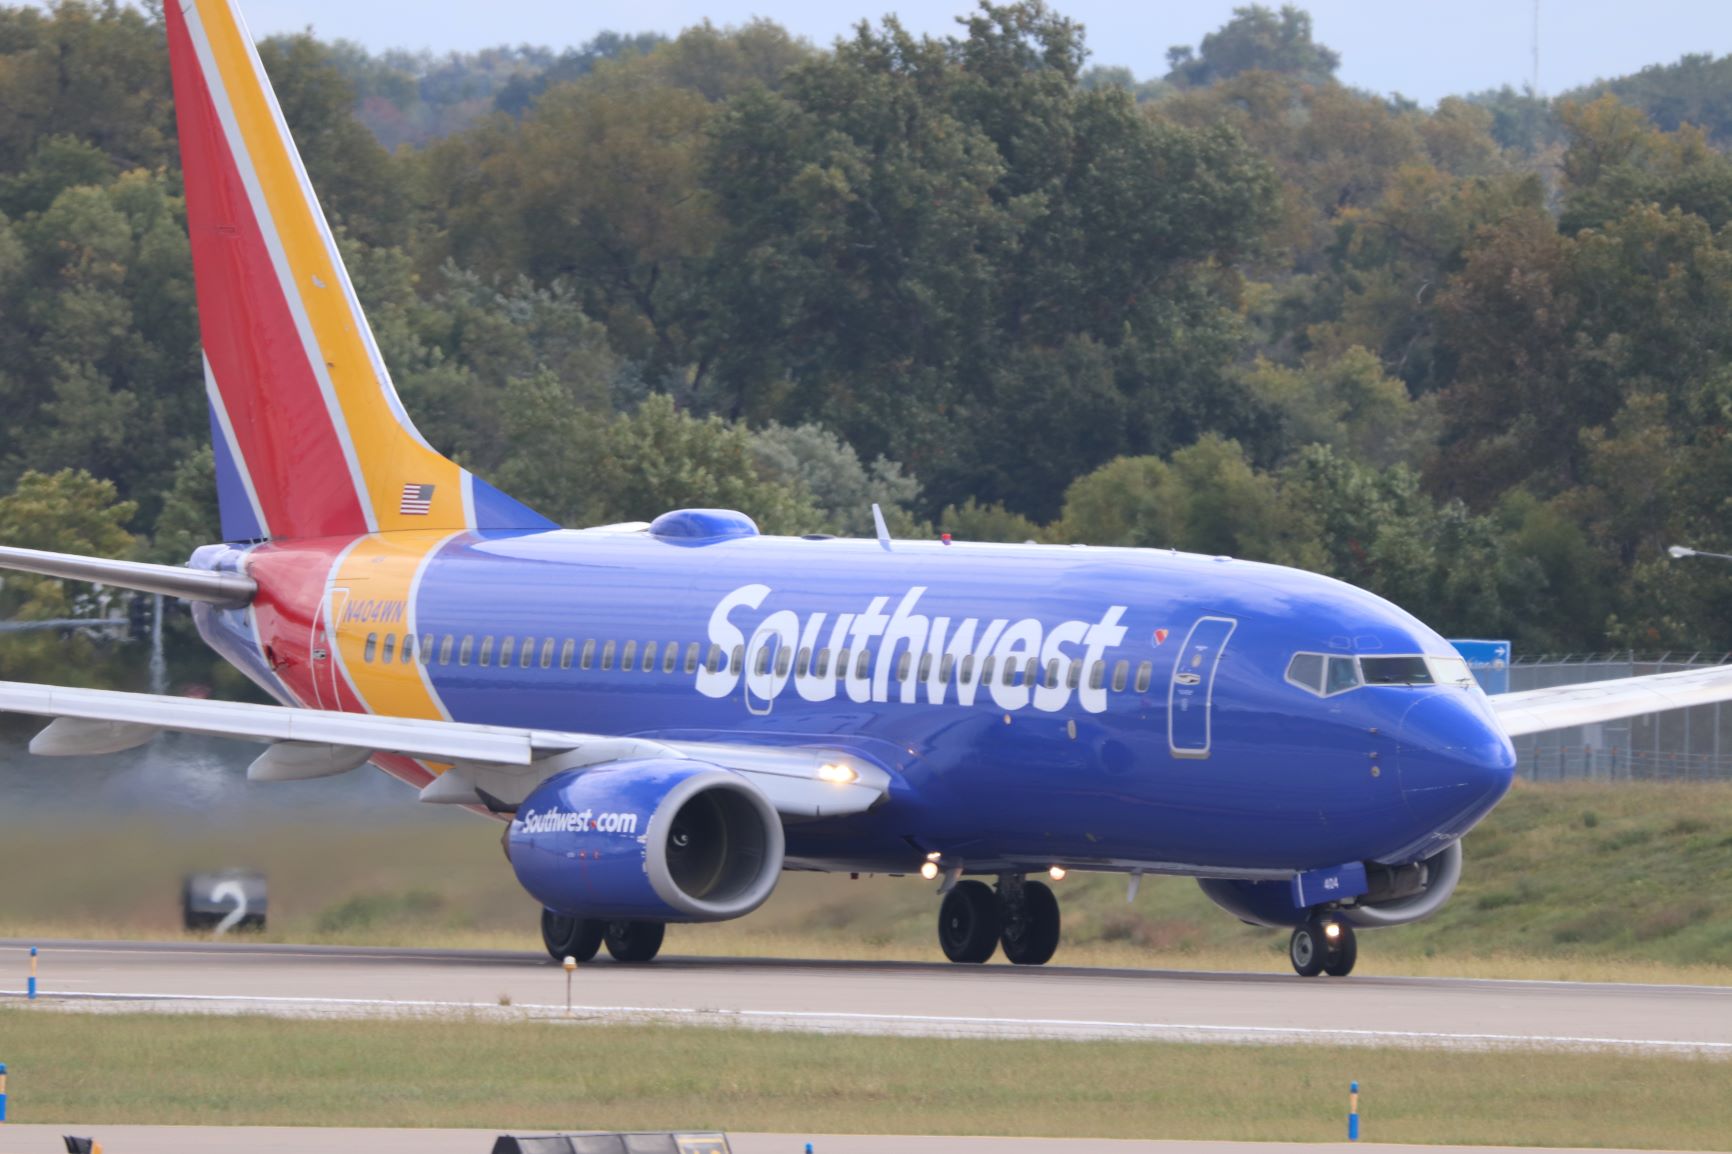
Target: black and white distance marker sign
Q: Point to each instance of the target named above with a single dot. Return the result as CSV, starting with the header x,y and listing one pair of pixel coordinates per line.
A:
x,y
221,902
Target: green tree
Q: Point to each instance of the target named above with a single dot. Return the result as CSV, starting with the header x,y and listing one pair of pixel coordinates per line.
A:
x,y
1256,39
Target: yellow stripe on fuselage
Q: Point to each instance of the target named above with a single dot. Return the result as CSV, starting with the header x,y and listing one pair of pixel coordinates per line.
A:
x,y
379,575
389,455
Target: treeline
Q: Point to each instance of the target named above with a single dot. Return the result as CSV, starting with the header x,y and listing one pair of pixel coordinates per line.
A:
x,y
1477,358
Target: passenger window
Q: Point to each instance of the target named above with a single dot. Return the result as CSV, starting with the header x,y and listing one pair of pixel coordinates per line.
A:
x,y
426,648
607,652
445,649
628,657
715,665
526,652
1073,675
507,650
986,668
547,654
1121,675
863,665
387,654
486,650
946,667
372,644
1306,671
649,657
823,663
566,653
692,657
763,662
466,650
842,662
1343,675
903,665
1030,674
784,659
588,653
670,656
1098,675
803,663
967,675
926,667
737,660
1145,673
406,651
1052,674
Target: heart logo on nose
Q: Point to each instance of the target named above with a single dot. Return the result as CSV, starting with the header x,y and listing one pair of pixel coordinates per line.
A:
x,y
1160,636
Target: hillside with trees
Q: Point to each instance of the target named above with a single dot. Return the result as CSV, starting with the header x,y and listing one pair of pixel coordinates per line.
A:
x,y
1476,357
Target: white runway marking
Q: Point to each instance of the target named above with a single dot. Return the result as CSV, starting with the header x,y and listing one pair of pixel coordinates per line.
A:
x,y
918,1025
885,998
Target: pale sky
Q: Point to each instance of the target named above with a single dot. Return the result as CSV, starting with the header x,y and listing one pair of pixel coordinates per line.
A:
x,y
1424,49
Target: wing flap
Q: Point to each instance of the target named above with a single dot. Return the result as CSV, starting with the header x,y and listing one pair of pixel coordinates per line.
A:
x,y
1563,706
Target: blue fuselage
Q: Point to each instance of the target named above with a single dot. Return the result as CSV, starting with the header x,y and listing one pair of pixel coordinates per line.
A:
x,y
1033,704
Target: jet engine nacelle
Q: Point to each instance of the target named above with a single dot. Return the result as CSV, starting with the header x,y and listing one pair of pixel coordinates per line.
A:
x,y
657,840
1398,895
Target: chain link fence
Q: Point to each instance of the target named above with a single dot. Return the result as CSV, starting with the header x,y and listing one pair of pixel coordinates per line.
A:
x,y
1678,745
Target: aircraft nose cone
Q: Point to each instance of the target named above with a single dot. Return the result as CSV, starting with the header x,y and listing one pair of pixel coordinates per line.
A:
x,y
1456,763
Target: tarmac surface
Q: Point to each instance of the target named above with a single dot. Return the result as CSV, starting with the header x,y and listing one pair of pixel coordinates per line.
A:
x,y
283,1140
1055,1002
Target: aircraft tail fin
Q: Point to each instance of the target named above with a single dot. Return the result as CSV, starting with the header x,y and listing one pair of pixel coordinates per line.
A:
x,y
311,439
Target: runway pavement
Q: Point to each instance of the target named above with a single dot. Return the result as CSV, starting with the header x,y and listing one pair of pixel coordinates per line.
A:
x,y
296,1140
896,998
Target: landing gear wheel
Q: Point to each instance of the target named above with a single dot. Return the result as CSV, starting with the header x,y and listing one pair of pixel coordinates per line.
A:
x,y
968,922
1338,961
565,937
1030,933
634,941
1306,949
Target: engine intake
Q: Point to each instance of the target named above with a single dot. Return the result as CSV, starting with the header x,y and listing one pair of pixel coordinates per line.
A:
x,y
656,840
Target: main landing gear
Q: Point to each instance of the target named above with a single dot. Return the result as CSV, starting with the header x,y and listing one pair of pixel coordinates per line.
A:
x,y
582,938
1323,945
1020,915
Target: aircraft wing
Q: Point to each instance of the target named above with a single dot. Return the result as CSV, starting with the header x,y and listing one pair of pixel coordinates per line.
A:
x,y
481,764
1562,706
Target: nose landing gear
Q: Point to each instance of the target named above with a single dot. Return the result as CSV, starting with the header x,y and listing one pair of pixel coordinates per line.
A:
x,y
1021,915
1323,945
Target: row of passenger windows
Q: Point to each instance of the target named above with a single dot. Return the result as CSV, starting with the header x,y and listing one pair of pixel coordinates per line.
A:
x,y
528,652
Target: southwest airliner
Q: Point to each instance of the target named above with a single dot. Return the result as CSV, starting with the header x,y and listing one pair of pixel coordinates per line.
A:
x,y
666,716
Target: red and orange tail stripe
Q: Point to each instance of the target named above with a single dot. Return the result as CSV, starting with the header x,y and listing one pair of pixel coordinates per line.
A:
x,y
312,440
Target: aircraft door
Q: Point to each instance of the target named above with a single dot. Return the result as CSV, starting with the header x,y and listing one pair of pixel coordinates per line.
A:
x,y
324,649
1191,695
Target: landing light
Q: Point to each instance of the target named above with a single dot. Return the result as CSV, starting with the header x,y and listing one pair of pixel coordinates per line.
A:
x,y
1332,931
929,870
1056,873
837,774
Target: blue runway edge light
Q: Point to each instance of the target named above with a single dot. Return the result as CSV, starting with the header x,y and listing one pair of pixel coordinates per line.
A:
x,y
1353,1112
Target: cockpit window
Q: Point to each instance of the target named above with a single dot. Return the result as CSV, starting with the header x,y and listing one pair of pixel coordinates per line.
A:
x,y
1396,671
1451,671
1343,675
1331,673
1323,674
1306,671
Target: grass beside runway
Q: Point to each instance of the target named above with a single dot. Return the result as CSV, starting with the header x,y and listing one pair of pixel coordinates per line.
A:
x,y
161,1069
1591,881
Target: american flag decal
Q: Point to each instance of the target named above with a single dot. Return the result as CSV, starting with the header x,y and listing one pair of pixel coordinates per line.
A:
x,y
417,500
